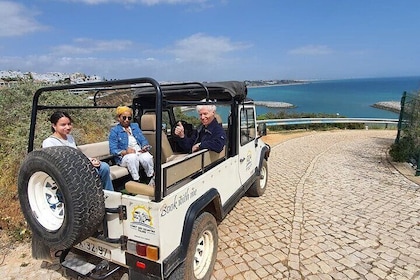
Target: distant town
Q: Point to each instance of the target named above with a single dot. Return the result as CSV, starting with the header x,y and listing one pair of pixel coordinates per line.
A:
x,y
10,78
262,83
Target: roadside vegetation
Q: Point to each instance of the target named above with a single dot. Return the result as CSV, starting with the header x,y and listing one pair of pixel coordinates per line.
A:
x,y
407,144
16,105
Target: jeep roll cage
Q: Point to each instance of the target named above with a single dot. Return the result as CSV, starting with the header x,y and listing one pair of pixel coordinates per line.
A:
x,y
153,96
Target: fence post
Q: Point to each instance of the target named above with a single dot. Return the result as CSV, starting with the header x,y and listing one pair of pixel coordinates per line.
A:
x,y
400,119
418,167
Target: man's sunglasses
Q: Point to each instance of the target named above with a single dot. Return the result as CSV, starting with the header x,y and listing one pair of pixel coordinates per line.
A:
x,y
125,117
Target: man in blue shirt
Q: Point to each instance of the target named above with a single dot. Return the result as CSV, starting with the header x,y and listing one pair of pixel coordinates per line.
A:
x,y
210,135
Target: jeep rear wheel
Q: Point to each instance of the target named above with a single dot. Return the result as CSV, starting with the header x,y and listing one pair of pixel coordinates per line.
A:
x,y
259,186
61,196
202,248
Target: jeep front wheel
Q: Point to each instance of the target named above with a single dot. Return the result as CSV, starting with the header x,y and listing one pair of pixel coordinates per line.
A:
x,y
61,196
259,186
202,248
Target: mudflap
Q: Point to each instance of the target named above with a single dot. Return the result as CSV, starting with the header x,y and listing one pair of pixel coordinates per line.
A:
x,y
40,251
96,268
135,275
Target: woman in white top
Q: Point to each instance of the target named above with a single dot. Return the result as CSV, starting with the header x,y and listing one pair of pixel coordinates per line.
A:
x,y
61,125
129,146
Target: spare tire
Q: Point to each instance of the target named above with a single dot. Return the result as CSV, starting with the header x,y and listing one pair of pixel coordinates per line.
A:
x,y
61,196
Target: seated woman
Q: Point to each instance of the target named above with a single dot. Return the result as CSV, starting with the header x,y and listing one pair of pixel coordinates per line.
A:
x,y
61,126
129,146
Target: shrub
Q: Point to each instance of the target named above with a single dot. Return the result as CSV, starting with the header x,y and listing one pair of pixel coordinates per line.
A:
x,y
402,150
407,145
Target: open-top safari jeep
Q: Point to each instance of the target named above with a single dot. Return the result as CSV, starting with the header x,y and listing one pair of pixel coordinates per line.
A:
x,y
164,232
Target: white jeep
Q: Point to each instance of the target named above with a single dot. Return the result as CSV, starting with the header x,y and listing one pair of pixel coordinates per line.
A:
x,y
164,232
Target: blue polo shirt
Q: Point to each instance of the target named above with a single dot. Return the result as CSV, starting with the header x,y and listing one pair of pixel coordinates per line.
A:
x,y
212,137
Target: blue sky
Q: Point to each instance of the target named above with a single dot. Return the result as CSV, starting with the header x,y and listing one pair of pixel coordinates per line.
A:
x,y
209,40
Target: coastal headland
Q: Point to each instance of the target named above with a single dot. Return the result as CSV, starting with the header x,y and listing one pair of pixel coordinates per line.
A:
x,y
273,104
393,106
270,83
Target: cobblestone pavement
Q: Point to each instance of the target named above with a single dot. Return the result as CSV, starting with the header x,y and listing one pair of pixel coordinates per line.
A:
x,y
334,208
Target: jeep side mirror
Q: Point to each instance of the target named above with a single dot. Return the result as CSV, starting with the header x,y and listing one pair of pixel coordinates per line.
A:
x,y
262,129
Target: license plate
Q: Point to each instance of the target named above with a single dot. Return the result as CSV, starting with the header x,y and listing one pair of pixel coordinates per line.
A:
x,y
94,248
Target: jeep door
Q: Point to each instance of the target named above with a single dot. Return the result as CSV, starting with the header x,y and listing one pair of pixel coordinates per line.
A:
x,y
247,136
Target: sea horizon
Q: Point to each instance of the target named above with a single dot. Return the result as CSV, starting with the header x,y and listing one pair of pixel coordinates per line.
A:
x,y
353,97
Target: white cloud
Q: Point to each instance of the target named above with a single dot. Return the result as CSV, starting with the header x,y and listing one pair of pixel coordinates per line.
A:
x,y
157,2
17,20
197,57
311,50
203,48
144,2
89,46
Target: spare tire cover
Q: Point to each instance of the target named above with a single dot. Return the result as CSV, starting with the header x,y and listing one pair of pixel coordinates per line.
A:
x,y
61,196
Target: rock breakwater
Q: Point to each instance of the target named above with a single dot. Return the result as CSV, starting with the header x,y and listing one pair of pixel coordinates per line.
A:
x,y
393,106
272,104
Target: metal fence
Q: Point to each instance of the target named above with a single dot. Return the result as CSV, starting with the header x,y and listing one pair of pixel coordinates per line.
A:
x,y
275,122
408,136
409,120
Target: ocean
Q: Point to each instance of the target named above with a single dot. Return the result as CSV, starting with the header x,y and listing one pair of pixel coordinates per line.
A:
x,y
350,98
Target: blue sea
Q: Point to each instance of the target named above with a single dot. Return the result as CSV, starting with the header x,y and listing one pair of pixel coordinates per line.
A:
x,y
349,98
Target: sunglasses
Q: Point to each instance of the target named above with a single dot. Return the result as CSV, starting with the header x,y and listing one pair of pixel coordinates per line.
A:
x,y
125,117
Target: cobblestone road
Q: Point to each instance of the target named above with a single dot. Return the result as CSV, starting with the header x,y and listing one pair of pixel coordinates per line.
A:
x,y
334,208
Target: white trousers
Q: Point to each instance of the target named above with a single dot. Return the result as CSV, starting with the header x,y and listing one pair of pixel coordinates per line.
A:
x,y
133,161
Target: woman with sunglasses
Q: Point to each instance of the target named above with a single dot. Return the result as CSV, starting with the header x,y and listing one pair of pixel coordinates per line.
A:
x,y
129,146
61,126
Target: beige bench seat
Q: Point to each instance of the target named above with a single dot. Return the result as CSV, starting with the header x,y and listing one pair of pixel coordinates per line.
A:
x,y
100,151
181,168
174,171
140,188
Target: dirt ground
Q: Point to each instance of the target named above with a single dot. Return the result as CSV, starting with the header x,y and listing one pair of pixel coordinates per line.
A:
x,y
273,139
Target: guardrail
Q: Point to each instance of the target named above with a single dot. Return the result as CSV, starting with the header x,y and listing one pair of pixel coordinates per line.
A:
x,y
273,122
